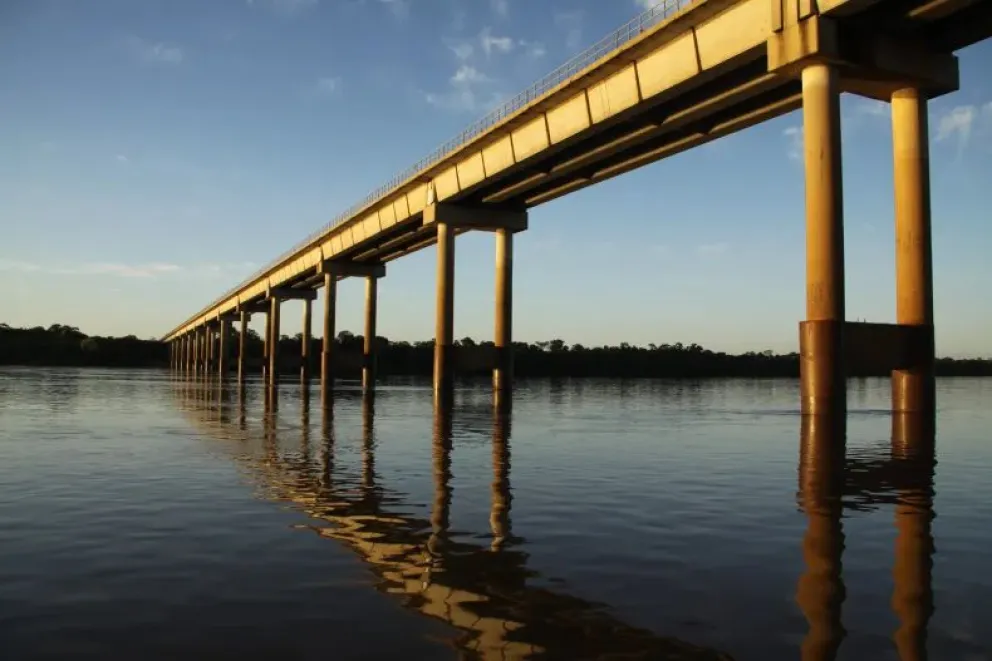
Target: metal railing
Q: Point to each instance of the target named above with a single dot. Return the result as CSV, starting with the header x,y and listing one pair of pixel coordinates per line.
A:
x,y
563,73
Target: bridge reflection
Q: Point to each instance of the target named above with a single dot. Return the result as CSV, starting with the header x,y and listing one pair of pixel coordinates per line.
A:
x,y
900,475
483,591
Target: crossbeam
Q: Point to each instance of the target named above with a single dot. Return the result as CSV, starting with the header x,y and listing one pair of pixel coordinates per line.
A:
x,y
289,294
344,269
476,218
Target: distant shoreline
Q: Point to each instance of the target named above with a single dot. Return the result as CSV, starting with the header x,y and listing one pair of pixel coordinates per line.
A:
x,y
67,346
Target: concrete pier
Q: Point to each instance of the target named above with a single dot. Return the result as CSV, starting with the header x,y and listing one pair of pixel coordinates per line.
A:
x,y
305,343
369,349
224,347
243,317
444,319
822,369
913,387
327,347
503,335
272,341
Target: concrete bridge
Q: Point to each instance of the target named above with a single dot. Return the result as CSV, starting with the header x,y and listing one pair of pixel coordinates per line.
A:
x,y
483,592
678,76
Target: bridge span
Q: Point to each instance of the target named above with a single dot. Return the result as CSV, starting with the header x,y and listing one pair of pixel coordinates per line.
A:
x,y
677,76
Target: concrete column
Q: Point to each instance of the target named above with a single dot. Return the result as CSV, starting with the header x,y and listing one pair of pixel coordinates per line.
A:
x,y
305,348
211,348
822,370
242,345
912,594
188,352
327,349
503,338
273,343
820,590
223,349
368,352
201,357
913,388
445,312
266,341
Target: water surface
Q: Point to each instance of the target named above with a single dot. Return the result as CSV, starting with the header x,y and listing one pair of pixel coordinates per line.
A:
x,y
149,516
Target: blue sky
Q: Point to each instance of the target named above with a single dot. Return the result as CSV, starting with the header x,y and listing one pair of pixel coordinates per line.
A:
x,y
155,152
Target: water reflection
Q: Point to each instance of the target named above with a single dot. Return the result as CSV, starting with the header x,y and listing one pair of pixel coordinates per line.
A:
x,y
487,591
829,482
482,591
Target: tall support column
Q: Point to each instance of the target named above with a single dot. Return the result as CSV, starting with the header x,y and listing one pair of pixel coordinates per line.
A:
x,y
188,352
266,342
273,342
245,317
201,349
445,313
224,344
211,348
369,352
822,369
913,388
305,344
327,348
503,339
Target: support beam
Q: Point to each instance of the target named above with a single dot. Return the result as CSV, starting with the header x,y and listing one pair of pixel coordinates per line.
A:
x,y
913,389
224,348
211,348
503,337
245,317
327,350
273,376
342,269
445,311
266,343
476,218
822,372
305,344
369,350
288,294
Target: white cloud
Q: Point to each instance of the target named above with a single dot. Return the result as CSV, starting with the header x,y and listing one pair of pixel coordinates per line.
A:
x,y
712,249
500,7
794,136
328,85
462,50
497,44
121,158
463,95
399,8
285,7
959,122
571,24
534,49
160,52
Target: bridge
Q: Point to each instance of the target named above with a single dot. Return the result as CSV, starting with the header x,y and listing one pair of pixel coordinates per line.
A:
x,y
677,76
483,591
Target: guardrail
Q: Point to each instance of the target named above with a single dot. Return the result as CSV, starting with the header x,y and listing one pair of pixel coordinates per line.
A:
x,y
612,42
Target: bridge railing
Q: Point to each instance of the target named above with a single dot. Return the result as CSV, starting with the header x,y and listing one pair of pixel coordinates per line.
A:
x,y
612,42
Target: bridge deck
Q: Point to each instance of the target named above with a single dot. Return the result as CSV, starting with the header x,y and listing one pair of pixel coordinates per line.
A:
x,y
681,76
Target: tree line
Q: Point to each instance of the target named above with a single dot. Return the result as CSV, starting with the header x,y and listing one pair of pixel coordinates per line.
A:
x,y
63,345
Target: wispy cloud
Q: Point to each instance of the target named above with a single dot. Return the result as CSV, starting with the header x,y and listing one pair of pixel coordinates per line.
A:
x,y
327,86
492,44
570,23
155,52
121,158
285,7
399,8
463,50
463,94
123,270
794,138
712,249
958,124
533,48
500,7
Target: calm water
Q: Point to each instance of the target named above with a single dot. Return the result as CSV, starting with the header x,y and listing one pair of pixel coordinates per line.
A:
x,y
146,517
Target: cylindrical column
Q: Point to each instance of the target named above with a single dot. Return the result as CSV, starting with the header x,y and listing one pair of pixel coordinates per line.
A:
x,y
188,352
445,313
503,339
243,344
266,342
820,591
305,343
327,348
211,348
822,367
223,348
913,388
368,353
201,336
273,342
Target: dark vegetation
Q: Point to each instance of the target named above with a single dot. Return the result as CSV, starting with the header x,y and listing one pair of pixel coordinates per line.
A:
x,y
66,346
